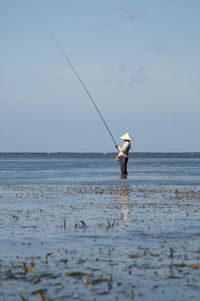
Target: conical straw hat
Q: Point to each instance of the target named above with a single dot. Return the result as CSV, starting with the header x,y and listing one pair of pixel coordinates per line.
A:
x,y
126,137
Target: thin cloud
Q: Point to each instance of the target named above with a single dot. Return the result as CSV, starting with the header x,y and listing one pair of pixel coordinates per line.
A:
x,y
122,67
138,77
104,26
127,76
126,11
140,80
159,45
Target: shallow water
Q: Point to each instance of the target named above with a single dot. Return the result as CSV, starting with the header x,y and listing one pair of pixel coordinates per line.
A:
x,y
71,229
99,169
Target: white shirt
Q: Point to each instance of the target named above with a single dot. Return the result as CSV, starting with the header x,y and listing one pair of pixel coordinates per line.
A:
x,y
124,149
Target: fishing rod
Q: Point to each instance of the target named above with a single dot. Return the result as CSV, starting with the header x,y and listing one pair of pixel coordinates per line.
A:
x,y
62,51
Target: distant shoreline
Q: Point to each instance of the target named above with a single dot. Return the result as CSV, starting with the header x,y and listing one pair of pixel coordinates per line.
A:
x,y
100,153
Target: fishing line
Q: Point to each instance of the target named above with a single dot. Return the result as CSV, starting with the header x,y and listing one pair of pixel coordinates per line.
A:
x,y
62,51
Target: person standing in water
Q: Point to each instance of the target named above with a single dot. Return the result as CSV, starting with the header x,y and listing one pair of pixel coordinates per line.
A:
x,y
123,153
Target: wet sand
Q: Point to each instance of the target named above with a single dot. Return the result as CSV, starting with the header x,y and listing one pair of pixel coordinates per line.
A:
x,y
89,242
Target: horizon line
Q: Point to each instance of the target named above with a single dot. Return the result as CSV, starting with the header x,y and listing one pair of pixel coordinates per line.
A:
x,y
97,153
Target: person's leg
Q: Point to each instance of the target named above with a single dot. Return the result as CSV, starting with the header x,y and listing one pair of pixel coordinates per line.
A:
x,y
126,161
122,165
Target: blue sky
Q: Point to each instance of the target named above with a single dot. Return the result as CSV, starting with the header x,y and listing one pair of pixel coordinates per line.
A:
x,y
139,59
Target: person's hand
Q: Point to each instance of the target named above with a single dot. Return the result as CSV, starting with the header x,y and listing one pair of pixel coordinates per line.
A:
x,y
116,145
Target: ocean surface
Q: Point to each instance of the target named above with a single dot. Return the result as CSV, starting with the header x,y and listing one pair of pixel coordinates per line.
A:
x,y
99,169
72,229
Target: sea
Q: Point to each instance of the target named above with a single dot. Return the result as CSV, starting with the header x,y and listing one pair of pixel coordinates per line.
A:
x,y
99,169
71,228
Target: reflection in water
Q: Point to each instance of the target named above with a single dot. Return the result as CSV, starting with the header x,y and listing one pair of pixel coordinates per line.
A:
x,y
123,194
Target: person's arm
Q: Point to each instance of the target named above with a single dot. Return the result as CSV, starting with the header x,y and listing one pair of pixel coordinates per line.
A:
x,y
123,148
